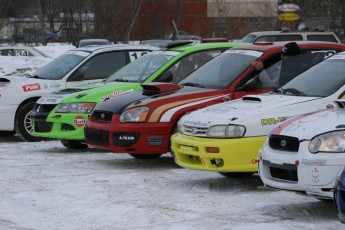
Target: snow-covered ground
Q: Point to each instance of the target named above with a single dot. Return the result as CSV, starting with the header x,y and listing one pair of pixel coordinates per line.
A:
x,y
44,186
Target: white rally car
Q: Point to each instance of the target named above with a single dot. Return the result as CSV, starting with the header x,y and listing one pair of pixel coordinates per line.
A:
x,y
18,94
306,153
226,137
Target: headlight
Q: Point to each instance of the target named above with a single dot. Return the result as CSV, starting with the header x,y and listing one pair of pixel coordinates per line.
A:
x,y
137,114
226,131
82,107
328,142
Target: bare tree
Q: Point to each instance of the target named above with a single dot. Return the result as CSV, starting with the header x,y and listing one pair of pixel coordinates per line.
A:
x,y
4,6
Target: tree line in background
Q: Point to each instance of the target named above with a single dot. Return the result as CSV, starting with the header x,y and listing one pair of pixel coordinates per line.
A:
x,y
116,18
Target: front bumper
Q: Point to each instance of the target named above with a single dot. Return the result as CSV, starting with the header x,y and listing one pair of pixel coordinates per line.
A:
x,y
66,126
133,138
235,155
7,116
313,174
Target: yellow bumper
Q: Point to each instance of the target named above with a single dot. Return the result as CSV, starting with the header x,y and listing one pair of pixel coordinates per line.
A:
x,y
234,155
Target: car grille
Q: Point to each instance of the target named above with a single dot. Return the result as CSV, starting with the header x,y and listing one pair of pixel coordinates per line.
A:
x,y
97,136
194,131
287,172
284,143
102,116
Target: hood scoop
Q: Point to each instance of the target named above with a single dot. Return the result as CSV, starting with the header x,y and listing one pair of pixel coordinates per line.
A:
x,y
251,98
159,87
69,90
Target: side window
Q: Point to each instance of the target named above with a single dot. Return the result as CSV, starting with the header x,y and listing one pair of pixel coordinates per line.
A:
x,y
268,78
187,65
100,66
320,37
265,39
134,55
7,52
289,37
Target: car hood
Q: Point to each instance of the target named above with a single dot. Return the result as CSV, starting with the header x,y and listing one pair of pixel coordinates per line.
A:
x,y
307,126
94,92
148,96
258,113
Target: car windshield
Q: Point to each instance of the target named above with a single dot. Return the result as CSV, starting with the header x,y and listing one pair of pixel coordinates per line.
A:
x,y
321,80
140,69
222,70
60,66
248,38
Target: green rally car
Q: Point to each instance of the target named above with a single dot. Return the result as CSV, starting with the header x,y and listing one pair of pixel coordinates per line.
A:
x,y
63,114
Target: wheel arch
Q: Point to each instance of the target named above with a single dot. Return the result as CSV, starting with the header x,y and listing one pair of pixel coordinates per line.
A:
x,y
31,99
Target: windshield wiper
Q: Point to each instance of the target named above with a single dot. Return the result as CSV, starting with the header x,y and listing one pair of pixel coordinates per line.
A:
x,y
30,76
121,80
193,84
293,91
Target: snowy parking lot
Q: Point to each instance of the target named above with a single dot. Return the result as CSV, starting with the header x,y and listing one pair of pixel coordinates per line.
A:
x,y
46,186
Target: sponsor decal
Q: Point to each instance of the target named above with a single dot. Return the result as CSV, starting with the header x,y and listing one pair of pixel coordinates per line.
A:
x,y
126,138
195,123
272,121
315,175
318,162
227,97
115,93
55,85
288,7
79,121
155,140
31,87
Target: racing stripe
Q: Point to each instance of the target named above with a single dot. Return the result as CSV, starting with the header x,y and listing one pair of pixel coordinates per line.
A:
x,y
280,128
168,114
155,115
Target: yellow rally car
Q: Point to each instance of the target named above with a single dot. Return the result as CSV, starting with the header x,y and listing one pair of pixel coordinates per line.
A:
x,y
227,137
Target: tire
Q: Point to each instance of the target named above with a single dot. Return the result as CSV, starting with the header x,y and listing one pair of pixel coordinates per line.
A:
x,y
74,144
236,174
23,125
145,156
7,133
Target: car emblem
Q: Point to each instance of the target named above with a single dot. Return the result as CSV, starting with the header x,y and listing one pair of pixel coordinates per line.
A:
x,y
283,143
193,131
102,115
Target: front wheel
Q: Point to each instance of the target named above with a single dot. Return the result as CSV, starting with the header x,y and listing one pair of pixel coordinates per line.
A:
x,y
236,174
23,123
145,156
74,144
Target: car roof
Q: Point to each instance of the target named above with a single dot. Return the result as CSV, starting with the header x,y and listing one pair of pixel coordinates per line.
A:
x,y
194,47
94,39
275,32
265,46
116,47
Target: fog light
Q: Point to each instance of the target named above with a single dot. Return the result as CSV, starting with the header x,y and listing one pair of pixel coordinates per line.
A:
x,y
212,149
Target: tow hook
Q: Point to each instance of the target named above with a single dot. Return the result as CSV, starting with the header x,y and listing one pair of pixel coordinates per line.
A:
x,y
255,161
